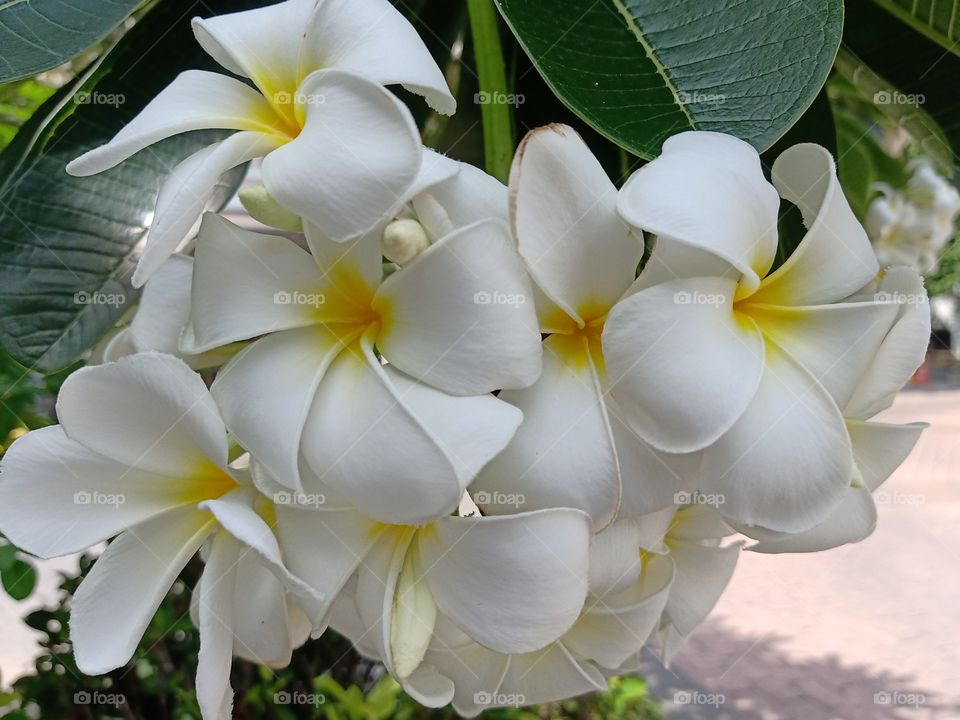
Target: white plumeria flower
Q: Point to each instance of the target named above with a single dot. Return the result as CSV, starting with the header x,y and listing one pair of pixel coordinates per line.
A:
x,y
159,319
692,538
628,591
911,226
512,584
573,449
714,349
338,147
141,454
878,448
313,387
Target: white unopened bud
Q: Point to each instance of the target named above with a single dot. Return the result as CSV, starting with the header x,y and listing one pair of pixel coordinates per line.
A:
x,y
403,240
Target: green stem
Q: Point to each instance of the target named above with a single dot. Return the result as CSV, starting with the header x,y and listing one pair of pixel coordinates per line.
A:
x,y
495,106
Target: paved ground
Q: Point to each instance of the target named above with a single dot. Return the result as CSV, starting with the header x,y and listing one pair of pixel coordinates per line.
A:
x,y
867,632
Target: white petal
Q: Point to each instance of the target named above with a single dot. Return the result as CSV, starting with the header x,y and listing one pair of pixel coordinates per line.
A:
x,y
702,573
352,269
215,611
324,548
851,521
683,365
514,583
246,284
835,343
650,478
195,100
57,497
266,391
707,190
903,349
461,316
615,628
261,619
353,162
615,558
564,214
118,598
164,307
103,407
454,202
671,260
186,193
236,515
428,687
835,258
786,461
399,450
563,453
546,676
262,44
880,448
372,38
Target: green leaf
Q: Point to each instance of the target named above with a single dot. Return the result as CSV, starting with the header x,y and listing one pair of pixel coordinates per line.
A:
x,y
917,80
36,35
65,241
19,579
639,72
933,18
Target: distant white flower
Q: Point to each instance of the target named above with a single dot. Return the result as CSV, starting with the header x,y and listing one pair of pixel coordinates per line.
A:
x,y
338,147
912,225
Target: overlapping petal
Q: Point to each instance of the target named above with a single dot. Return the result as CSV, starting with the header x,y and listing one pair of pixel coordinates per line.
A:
x,y
682,365
460,316
354,161
563,210
195,100
707,190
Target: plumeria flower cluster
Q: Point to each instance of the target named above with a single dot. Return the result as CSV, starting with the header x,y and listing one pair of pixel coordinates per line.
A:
x,y
911,225
501,437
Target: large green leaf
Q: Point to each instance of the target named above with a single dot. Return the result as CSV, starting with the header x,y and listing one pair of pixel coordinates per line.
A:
x,y
937,19
639,71
36,35
68,245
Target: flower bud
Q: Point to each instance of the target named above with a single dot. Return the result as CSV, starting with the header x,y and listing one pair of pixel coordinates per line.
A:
x,y
403,240
263,208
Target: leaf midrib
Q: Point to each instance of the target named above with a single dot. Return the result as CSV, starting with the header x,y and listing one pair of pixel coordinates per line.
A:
x,y
661,69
